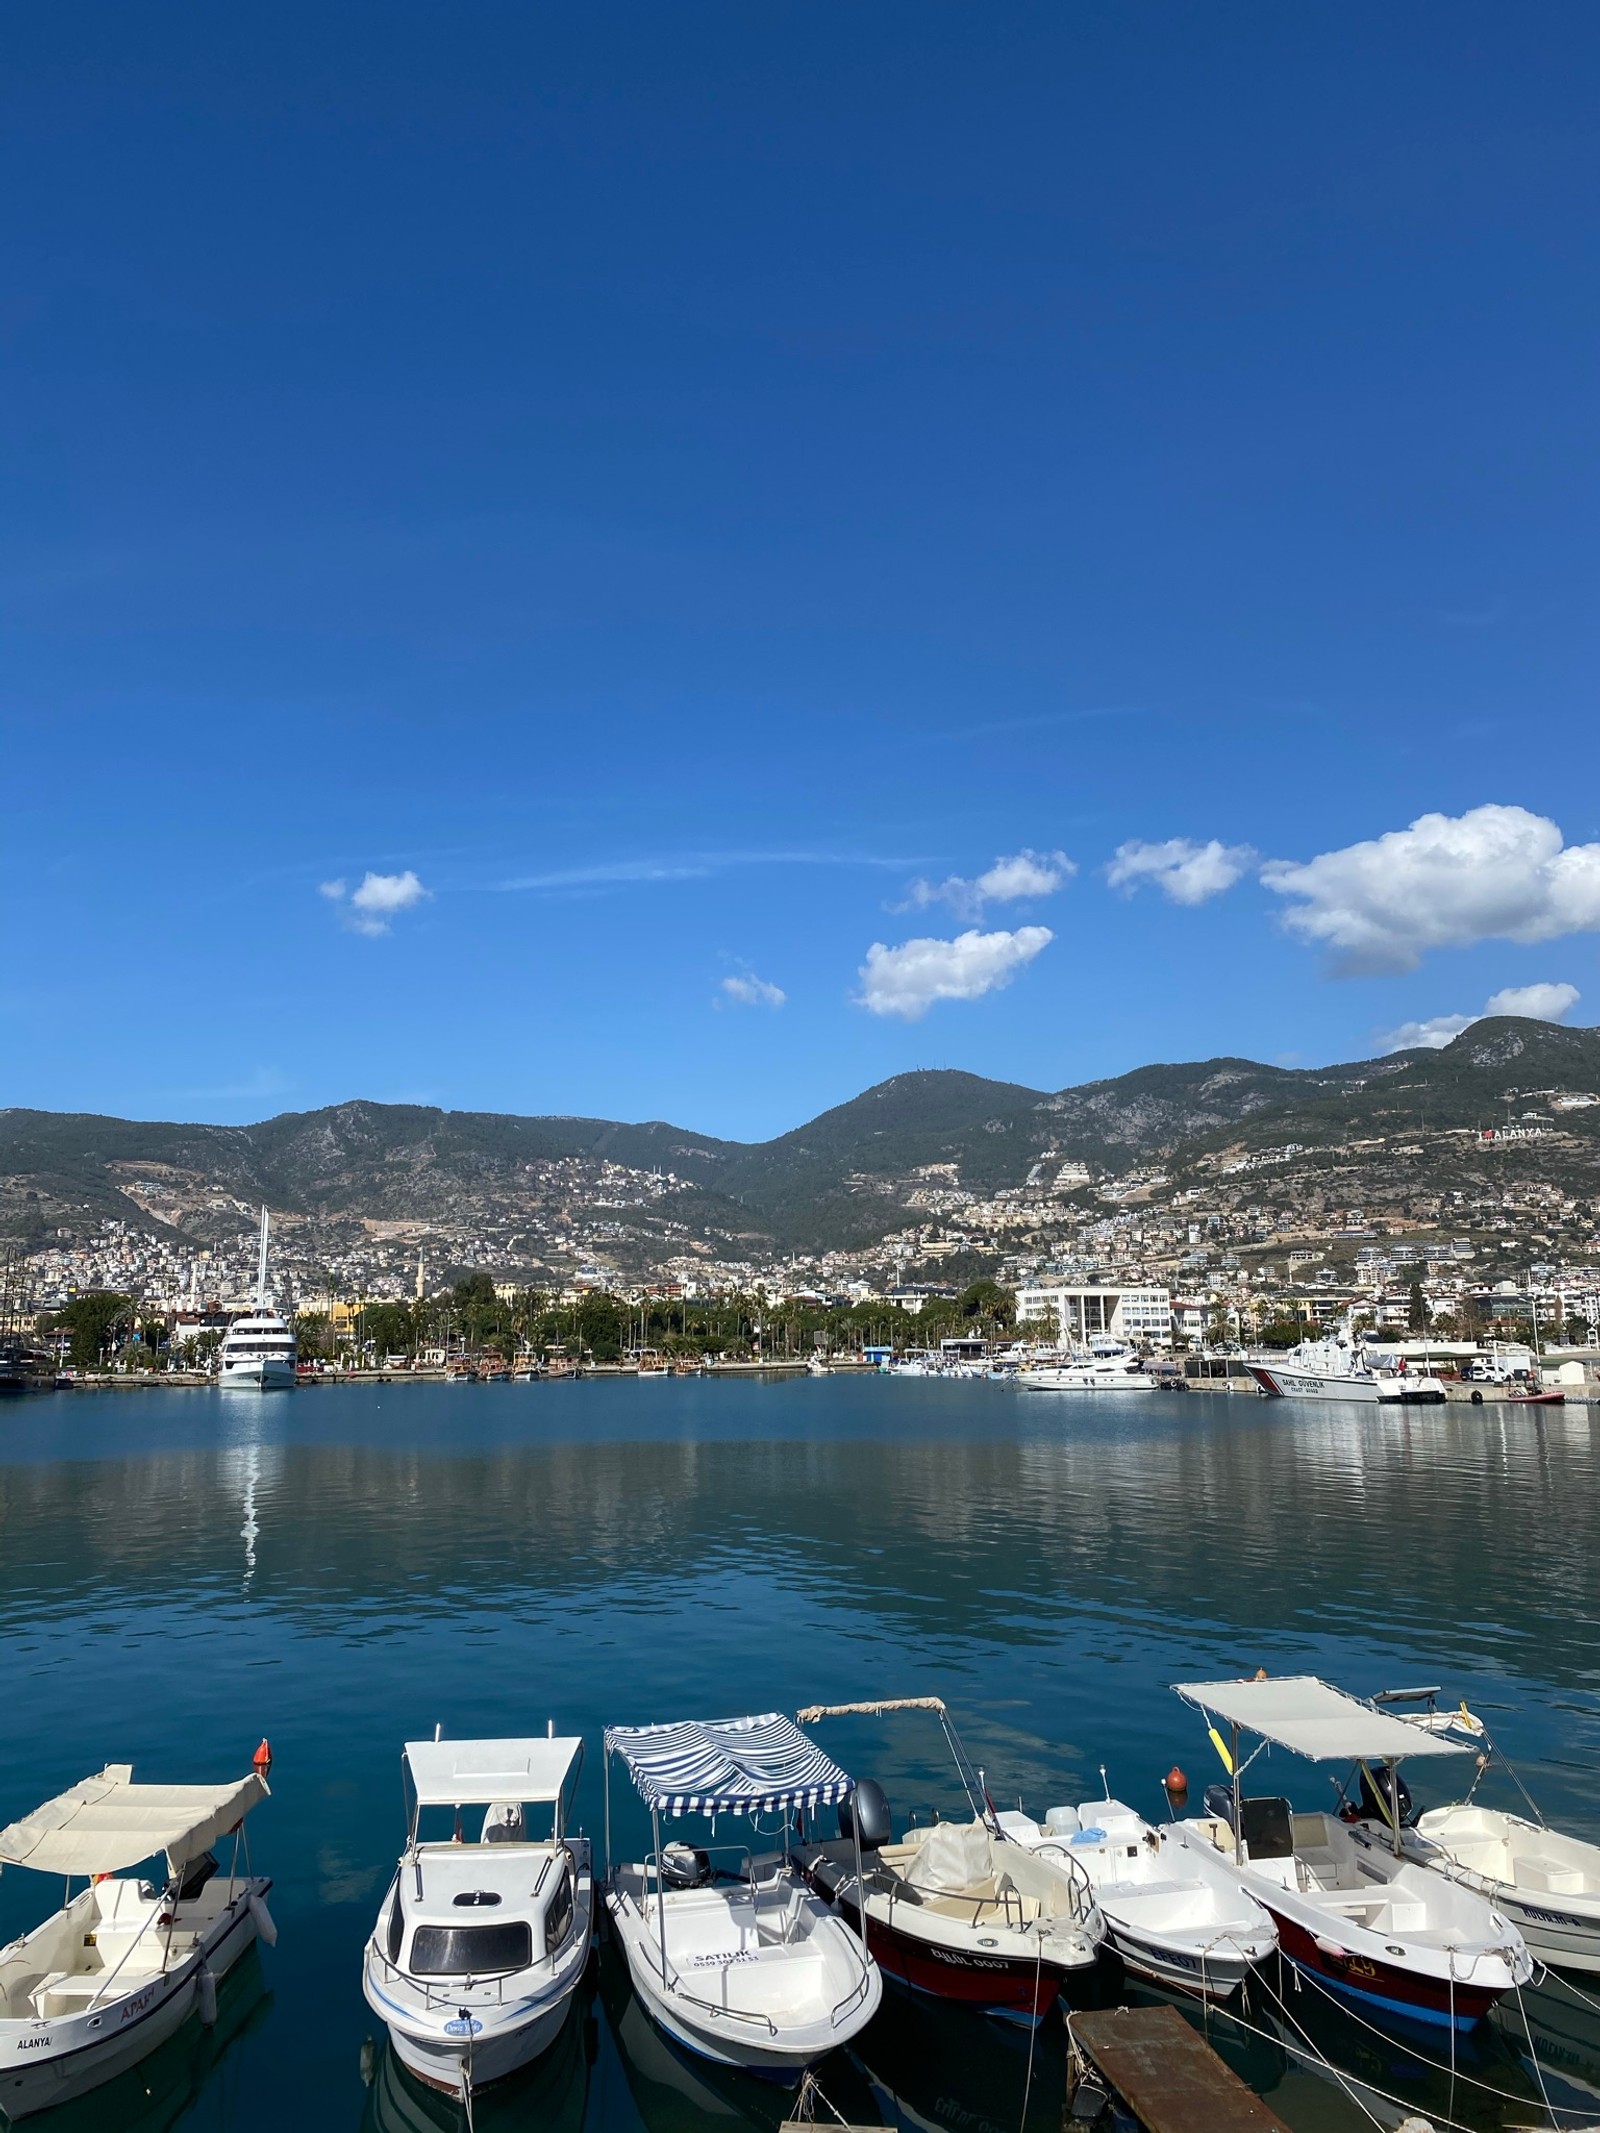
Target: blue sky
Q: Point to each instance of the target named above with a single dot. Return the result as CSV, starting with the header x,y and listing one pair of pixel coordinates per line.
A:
x,y
653,497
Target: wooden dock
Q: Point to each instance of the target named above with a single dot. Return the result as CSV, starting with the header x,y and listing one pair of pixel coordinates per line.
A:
x,y
1167,2074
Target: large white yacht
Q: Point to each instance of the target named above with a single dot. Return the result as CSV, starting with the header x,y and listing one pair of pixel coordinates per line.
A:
x,y
258,1350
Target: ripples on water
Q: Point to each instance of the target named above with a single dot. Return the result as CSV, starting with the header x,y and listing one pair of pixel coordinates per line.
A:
x,y
338,1569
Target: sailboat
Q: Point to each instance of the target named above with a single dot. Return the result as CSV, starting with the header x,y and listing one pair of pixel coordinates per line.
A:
x,y
258,1350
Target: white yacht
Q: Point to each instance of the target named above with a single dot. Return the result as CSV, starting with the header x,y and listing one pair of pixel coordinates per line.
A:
x,y
1106,1366
479,1946
258,1350
124,1962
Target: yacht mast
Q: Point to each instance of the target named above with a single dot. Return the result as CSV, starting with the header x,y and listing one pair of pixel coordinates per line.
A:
x,y
261,1267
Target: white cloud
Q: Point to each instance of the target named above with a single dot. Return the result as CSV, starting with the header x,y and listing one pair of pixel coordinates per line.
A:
x,y
1540,1003
1494,873
750,991
907,980
375,900
1187,872
1025,873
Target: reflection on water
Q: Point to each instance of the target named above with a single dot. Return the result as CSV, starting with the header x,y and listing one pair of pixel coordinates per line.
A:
x,y
181,1574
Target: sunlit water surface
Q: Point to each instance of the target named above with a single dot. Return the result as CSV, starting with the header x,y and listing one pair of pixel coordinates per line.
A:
x,y
339,1569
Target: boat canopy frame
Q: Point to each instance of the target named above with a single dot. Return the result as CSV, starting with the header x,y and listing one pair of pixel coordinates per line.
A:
x,y
1309,1717
972,1778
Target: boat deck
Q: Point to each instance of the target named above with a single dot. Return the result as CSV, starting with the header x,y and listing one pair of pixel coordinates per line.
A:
x,y
1167,2074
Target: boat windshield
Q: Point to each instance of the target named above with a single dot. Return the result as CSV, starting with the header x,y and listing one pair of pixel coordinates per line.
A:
x,y
471,1951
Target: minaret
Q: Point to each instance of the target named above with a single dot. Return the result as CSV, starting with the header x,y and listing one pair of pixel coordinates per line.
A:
x,y
419,1276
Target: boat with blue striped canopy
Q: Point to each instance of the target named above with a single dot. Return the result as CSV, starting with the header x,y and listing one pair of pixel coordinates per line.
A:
x,y
730,1952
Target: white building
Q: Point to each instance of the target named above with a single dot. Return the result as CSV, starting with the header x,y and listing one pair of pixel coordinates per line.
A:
x,y
1134,1315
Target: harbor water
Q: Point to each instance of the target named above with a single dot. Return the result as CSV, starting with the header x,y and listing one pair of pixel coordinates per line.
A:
x,y
342,1568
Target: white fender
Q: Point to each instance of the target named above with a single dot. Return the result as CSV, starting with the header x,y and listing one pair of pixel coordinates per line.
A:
x,y
205,1986
266,1931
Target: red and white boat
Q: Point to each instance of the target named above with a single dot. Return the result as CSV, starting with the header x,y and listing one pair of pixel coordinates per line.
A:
x,y
1352,1910
958,1910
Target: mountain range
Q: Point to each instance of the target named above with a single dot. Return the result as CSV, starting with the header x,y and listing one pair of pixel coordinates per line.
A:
x,y
843,1180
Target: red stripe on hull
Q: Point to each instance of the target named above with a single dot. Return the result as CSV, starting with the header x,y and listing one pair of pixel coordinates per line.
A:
x,y
994,1983
1362,1973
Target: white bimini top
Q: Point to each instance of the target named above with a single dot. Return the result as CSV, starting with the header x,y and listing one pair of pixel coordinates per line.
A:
x,y
106,1823
1309,1717
465,1773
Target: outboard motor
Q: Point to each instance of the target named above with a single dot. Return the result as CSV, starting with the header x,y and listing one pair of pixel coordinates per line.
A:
x,y
1218,1803
866,1812
683,1866
1375,1800
195,1876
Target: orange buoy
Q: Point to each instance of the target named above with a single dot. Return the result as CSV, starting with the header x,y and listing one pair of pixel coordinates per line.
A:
x,y
263,1757
1176,1786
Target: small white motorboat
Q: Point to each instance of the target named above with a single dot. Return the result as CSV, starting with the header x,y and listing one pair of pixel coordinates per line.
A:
x,y
1352,1911
958,1909
747,1966
1173,1912
479,1946
1546,1883
124,1963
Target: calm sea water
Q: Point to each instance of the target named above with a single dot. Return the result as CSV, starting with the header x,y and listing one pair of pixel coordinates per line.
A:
x,y
340,1569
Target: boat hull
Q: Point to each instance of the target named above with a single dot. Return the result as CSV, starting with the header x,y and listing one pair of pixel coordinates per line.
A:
x,y
1287,1381
51,2062
1020,1989
1214,1973
1370,1980
446,2063
272,1376
739,2029
1088,1381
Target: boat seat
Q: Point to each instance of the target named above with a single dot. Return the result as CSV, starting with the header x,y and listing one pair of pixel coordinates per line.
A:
x,y
1539,1871
64,1992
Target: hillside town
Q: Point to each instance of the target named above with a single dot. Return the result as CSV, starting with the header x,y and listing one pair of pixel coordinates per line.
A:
x,y
1230,1249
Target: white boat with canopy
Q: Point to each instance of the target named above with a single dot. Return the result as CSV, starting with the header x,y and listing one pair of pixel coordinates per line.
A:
x,y
1546,1883
743,1965
481,1942
122,1965
1351,1909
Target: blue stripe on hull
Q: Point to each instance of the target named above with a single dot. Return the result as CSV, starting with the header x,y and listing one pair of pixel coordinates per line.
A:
x,y
1409,2009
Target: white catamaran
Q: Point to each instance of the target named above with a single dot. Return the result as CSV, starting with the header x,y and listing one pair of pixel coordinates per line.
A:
x,y
121,1965
258,1350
